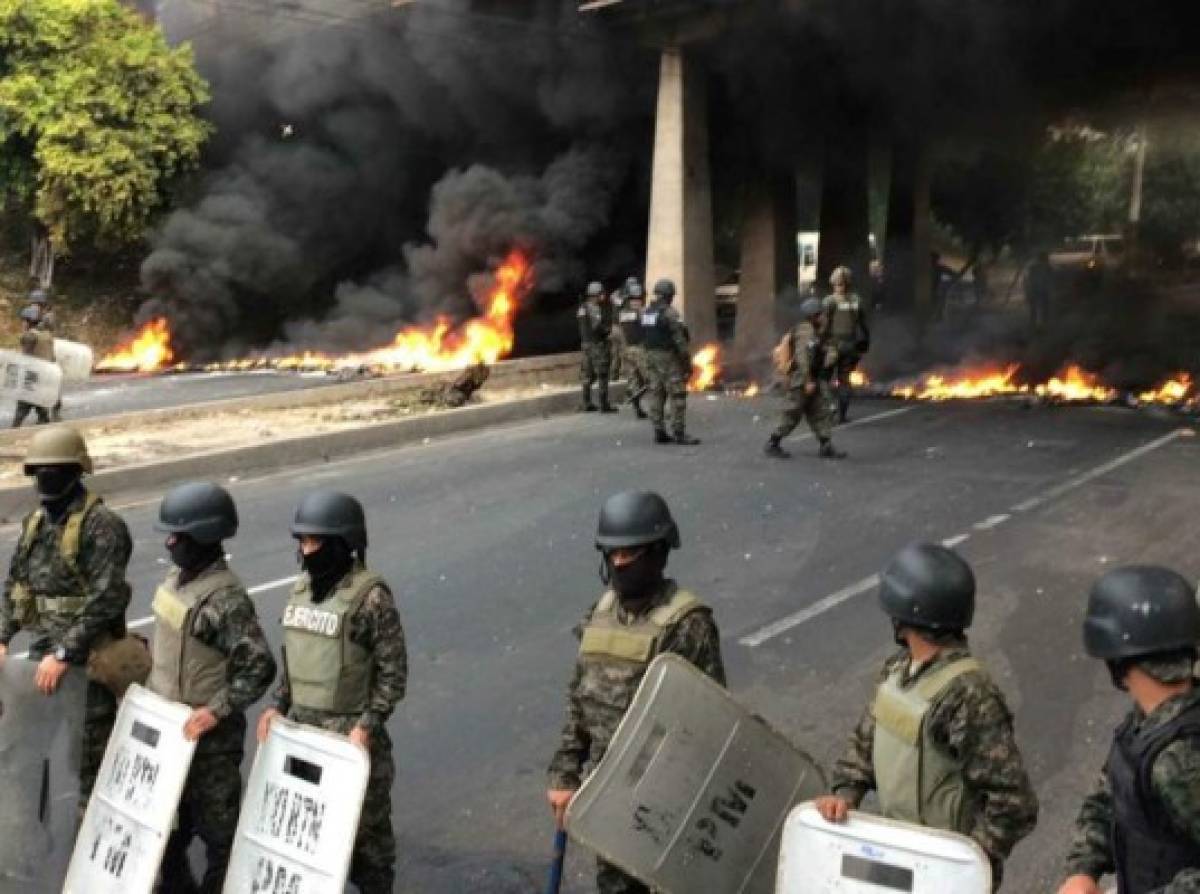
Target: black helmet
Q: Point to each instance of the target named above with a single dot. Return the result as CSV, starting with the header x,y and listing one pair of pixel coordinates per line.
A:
x,y
31,314
39,296
810,308
328,513
595,290
1139,610
632,281
664,289
635,518
928,586
634,291
203,511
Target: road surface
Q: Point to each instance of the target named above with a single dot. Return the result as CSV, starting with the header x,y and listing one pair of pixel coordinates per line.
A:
x,y
487,539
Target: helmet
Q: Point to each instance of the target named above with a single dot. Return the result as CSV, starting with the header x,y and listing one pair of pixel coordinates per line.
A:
x,y
810,308
635,518
840,275
665,289
1139,610
31,313
928,586
58,446
328,513
39,296
634,291
595,290
203,511
632,282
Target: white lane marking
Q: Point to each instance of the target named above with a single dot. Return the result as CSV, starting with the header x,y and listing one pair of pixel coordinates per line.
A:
x,y
866,420
988,523
833,600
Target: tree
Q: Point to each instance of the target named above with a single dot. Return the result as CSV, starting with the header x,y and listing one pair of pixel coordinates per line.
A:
x,y
97,116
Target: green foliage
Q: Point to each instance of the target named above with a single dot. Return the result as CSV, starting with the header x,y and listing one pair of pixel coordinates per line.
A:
x,y
97,115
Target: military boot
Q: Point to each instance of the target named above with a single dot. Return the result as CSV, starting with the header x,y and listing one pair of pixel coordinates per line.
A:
x,y
843,410
587,406
637,408
685,439
828,451
605,406
661,436
774,449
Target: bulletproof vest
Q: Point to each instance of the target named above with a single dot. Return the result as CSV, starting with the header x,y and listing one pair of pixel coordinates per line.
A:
x,y
843,316
630,321
185,668
595,322
656,327
917,782
38,343
326,670
1147,848
29,606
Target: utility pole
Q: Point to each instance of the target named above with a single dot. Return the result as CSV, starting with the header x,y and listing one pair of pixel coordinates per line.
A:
x,y
1133,253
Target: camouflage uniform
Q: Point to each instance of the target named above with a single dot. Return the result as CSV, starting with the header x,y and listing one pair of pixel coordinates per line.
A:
x,y
376,627
846,324
99,572
972,721
595,328
1174,779
808,349
668,362
591,720
225,621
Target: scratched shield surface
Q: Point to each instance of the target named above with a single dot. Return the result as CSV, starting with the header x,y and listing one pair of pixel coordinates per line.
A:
x,y
693,791
132,809
35,381
299,814
40,745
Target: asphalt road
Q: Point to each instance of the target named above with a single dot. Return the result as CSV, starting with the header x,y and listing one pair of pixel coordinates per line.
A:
x,y
487,539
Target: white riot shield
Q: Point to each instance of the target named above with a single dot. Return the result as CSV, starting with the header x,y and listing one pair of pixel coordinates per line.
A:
x,y
37,382
693,790
300,813
133,805
871,855
74,359
41,740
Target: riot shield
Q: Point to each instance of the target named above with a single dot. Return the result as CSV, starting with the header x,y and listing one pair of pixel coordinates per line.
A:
x,y
37,382
693,790
74,359
872,855
133,805
300,814
41,740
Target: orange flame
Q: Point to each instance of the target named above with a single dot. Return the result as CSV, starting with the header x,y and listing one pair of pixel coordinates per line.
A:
x,y
1175,390
751,390
1075,384
1072,384
148,350
858,378
706,366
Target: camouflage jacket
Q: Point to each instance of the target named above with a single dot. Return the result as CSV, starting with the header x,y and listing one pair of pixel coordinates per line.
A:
x,y
813,358
972,721
104,553
375,627
1175,778
588,729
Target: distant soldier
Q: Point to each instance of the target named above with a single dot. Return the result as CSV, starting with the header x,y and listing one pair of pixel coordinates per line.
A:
x,y
40,299
595,327
1039,290
806,363
345,665
1142,818
846,324
642,615
629,324
35,342
668,360
936,743
66,585
210,654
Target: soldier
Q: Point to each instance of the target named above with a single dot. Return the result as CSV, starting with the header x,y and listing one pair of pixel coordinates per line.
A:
x,y
595,326
66,584
846,323
809,364
40,299
1142,818
936,743
668,362
644,614
345,666
629,324
35,342
210,654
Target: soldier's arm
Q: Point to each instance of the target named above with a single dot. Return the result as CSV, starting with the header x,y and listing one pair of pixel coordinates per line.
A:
x,y
283,692
103,558
379,629
679,336
696,638
574,743
854,771
9,625
1090,853
1175,778
229,624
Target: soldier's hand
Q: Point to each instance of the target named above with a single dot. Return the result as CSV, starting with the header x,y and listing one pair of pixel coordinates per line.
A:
x,y
49,672
810,387
360,735
559,798
264,723
200,722
1080,884
832,808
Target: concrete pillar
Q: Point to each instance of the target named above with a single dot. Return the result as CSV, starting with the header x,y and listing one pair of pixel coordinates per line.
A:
x,y
908,240
680,243
768,265
845,203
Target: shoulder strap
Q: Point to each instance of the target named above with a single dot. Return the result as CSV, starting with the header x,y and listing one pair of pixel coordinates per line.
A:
x,y
606,604
29,530
674,609
928,687
73,530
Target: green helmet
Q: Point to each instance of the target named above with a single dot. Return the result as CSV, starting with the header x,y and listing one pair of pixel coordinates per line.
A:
x,y
635,518
203,511
58,446
841,275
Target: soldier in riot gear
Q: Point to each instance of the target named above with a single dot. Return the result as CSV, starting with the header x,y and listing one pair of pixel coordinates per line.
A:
x,y
66,584
1141,820
345,664
40,299
39,343
595,327
846,324
668,365
210,654
962,770
642,614
629,323
807,363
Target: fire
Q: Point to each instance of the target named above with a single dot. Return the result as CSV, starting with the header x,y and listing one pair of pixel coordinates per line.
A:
x,y
1075,384
706,366
751,390
858,378
1173,391
148,350
975,384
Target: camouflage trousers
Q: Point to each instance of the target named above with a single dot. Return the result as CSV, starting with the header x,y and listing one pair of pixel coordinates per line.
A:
x,y
616,350
848,358
595,367
812,407
99,717
635,370
667,383
209,809
611,880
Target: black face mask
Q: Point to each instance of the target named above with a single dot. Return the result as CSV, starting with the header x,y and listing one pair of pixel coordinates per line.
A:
x,y
327,566
1117,670
189,555
640,579
56,482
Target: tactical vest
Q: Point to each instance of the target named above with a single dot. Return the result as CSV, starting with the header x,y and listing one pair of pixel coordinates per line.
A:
x,y
326,671
38,343
30,607
1147,848
186,669
843,317
630,320
656,327
915,780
